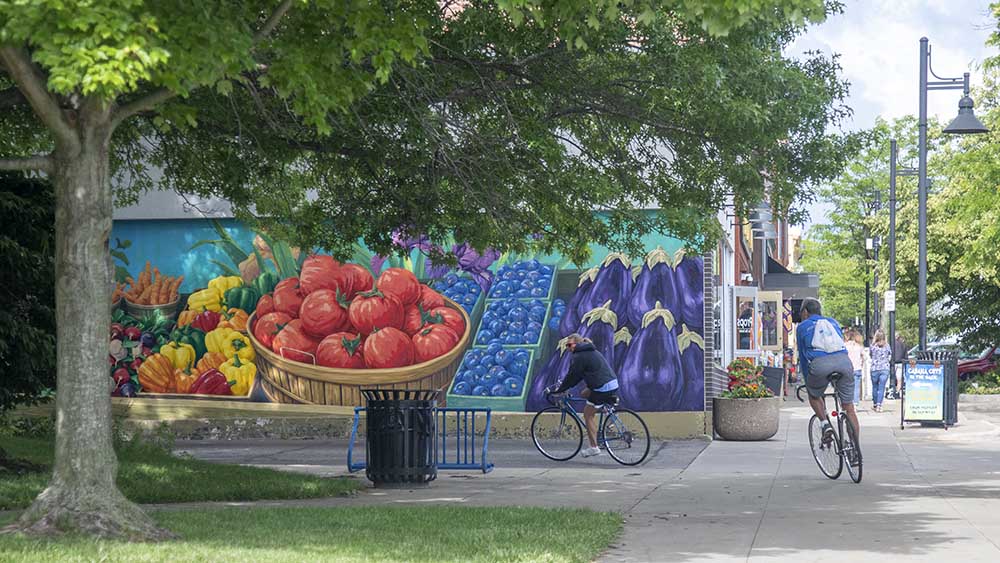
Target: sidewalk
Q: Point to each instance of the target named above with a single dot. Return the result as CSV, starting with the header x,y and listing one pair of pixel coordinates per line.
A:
x,y
928,494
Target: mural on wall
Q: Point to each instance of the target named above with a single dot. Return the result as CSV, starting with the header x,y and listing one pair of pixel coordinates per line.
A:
x,y
266,322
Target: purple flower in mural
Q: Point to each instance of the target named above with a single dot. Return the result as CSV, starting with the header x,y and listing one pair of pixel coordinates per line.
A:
x,y
377,263
477,265
436,271
407,244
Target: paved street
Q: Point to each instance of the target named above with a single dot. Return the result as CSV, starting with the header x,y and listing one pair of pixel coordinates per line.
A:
x,y
928,494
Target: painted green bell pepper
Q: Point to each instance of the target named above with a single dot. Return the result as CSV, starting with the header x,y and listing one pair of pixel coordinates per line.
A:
x,y
242,298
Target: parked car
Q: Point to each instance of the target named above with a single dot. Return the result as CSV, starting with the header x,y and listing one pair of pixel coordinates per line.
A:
x,y
985,362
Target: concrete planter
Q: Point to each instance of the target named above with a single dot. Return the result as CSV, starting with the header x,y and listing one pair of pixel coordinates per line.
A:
x,y
746,419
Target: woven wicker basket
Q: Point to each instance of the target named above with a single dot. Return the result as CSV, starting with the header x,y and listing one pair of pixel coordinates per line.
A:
x,y
288,381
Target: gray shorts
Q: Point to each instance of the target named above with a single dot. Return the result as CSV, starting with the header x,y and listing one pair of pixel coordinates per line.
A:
x,y
820,370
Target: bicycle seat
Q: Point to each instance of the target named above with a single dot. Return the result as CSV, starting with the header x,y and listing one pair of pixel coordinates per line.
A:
x,y
834,376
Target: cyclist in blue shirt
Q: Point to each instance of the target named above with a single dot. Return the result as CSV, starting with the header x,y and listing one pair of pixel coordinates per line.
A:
x,y
821,354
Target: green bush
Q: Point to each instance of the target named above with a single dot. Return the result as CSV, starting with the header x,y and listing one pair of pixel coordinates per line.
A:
x,y
983,384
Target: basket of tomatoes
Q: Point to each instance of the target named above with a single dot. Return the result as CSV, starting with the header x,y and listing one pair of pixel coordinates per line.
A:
x,y
322,336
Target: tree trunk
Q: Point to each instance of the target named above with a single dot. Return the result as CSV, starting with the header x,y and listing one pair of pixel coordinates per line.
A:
x,y
82,496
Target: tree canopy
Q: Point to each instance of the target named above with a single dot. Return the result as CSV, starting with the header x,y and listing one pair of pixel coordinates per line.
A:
x,y
501,121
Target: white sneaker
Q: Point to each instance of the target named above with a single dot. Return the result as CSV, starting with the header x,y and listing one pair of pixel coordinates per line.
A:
x,y
590,452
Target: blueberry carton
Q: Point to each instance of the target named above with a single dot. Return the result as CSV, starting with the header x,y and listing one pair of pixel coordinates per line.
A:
x,y
494,377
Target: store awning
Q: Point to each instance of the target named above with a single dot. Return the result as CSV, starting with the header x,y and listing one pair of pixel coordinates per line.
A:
x,y
794,287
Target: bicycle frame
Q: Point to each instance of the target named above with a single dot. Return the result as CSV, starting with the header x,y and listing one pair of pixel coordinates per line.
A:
x,y
566,405
837,413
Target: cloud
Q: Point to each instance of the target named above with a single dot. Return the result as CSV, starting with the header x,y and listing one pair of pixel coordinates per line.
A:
x,y
878,44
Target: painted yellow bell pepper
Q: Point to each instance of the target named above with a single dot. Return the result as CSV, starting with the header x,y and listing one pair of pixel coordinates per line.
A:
x,y
208,299
181,355
217,340
240,371
222,284
238,345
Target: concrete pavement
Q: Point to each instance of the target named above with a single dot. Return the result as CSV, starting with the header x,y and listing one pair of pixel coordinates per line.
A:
x,y
927,494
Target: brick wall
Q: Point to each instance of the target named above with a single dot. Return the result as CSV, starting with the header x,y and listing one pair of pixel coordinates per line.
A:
x,y
715,376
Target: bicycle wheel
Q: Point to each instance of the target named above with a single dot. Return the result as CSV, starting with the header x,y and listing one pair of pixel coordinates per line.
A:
x,y
852,451
827,458
556,433
626,436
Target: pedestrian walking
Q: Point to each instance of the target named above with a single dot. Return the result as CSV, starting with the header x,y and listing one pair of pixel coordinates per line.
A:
x,y
856,351
881,355
896,375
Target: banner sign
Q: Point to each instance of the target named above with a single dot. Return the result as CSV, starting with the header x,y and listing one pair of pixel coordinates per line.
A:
x,y
924,399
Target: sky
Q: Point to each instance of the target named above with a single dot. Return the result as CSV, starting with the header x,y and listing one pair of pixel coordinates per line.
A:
x,y
878,42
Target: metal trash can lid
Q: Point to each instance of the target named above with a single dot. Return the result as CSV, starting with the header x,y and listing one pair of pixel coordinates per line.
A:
x,y
400,394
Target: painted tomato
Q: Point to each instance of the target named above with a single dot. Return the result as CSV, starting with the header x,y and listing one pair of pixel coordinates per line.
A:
x,y
401,284
288,297
413,319
320,271
341,350
373,309
265,305
430,299
293,343
268,326
388,348
323,314
358,279
433,341
448,317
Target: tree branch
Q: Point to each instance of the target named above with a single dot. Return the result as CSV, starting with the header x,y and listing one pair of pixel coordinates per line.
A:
x,y
31,83
157,97
145,103
272,21
42,163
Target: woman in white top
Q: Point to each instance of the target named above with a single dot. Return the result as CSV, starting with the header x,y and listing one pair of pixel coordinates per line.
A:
x,y
856,351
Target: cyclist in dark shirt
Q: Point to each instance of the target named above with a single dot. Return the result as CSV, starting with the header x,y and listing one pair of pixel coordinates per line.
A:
x,y
589,366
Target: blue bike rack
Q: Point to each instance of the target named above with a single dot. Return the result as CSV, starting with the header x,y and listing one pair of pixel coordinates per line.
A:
x,y
455,452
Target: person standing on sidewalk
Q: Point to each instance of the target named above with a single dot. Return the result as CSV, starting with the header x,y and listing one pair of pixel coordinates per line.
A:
x,y
856,351
881,361
896,375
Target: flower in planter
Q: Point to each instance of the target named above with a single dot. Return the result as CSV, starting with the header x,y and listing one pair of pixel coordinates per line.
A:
x,y
746,381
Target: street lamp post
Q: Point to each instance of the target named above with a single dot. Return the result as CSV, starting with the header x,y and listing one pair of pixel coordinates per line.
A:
x,y
966,123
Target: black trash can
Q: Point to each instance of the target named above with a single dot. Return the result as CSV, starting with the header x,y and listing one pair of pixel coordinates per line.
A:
x,y
401,429
949,360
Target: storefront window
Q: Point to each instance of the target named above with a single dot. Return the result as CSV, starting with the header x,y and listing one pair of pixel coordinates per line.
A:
x,y
769,318
746,323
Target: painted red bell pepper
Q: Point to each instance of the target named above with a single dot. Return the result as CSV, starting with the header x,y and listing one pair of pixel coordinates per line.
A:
x,y
206,321
211,382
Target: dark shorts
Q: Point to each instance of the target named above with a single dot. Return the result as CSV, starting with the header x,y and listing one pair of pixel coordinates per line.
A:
x,y
599,398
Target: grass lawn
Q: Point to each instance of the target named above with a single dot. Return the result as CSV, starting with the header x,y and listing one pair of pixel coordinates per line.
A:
x,y
425,533
148,474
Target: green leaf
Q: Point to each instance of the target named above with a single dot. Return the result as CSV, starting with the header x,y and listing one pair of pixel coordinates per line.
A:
x,y
227,270
120,256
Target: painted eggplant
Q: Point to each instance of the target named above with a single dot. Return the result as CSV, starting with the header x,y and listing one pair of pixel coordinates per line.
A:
x,y
571,319
622,339
613,283
651,378
655,283
599,325
551,373
690,283
692,350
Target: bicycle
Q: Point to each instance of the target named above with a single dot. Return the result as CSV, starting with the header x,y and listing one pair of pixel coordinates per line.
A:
x,y
557,431
843,448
